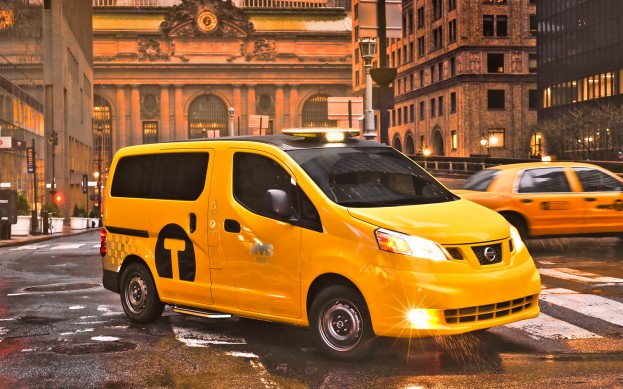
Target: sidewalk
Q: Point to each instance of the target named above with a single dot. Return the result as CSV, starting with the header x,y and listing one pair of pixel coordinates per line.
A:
x,y
29,239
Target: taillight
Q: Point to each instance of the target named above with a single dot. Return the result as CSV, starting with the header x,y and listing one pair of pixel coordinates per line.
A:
x,y
103,234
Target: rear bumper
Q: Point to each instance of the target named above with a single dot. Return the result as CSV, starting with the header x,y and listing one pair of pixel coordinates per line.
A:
x,y
109,281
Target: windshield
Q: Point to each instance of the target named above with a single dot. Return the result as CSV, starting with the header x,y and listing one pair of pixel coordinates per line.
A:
x,y
481,180
370,177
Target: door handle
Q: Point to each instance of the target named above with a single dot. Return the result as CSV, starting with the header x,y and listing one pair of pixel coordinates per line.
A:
x,y
192,222
590,199
232,226
527,201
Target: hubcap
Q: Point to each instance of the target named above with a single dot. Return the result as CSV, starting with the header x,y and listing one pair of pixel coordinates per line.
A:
x,y
340,325
136,295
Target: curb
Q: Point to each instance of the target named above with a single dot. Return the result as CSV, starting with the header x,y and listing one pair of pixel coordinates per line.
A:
x,y
42,238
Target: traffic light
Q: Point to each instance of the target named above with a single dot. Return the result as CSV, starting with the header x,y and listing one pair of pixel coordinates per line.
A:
x,y
59,198
54,138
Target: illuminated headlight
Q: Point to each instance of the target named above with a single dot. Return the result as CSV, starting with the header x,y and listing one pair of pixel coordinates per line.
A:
x,y
422,318
517,242
414,246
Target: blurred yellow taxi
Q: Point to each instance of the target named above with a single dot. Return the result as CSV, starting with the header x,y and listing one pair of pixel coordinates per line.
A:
x,y
551,198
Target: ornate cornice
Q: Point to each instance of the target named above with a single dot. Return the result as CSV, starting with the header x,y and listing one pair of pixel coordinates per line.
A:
x,y
198,18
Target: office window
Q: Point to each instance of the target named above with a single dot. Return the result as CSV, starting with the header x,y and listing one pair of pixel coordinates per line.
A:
x,y
532,99
495,99
411,24
399,87
399,116
452,66
453,102
420,17
398,57
487,25
422,112
495,63
404,54
440,71
451,5
404,25
421,78
454,139
412,113
393,117
405,115
496,137
422,142
420,46
441,106
432,74
452,31
532,63
502,25
357,80
533,24
433,108
437,9
411,55
437,38
411,82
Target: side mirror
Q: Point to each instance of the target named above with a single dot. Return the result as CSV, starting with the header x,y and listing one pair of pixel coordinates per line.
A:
x,y
278,204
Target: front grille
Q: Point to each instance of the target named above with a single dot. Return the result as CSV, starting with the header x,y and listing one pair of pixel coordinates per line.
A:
x,y
490,311
488,254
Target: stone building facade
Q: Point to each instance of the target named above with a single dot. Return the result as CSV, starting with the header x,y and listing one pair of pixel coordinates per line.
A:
x,y
173,70
466,81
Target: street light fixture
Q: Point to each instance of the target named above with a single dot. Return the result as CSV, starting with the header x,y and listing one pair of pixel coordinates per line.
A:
x,y
367,48
231,112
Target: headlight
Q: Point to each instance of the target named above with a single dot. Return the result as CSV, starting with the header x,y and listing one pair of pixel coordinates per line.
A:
x,y
517,242
414,246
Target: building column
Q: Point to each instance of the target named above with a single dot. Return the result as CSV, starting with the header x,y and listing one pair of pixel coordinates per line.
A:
x,y
238,108
279,109
165,135
250,106
180,131
294,104
120,137
135,111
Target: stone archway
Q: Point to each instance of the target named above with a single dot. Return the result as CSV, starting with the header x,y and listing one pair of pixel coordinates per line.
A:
x,y
396,143
437,143
207,117
409,144
316,112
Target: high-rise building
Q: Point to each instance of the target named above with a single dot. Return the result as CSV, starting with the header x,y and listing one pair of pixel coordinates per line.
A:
x,y
580,57
466,81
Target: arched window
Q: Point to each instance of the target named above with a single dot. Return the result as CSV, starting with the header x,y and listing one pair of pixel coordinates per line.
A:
x,y
102,135
207,117
316,113
396,143
409,145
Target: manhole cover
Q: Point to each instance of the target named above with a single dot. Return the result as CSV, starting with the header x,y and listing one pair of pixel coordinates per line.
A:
x,y
62,287
93,348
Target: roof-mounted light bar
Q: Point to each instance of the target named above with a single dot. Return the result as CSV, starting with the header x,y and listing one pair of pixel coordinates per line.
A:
x,y
332,135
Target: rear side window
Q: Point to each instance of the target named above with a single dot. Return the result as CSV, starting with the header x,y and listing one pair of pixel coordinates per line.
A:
x,y
594,180
171,176
546,180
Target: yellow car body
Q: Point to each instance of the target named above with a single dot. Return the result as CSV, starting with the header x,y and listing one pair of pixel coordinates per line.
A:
x,y
439,267
551,198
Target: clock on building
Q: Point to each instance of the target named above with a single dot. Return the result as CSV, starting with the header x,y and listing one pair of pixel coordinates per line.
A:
x,y
207,21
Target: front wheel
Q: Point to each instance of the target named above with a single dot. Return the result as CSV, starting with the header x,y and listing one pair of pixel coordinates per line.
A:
x,y
139,296
340,323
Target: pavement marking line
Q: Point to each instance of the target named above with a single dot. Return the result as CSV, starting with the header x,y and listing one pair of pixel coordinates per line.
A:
x,y
197,338
67,246
30,247
576,275
547,327
587,304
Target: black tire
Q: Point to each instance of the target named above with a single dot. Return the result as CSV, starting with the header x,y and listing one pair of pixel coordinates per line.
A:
x,y
139,296
340,324
520,224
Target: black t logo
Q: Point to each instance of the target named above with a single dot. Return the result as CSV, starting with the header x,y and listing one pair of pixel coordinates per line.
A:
x,y
175,254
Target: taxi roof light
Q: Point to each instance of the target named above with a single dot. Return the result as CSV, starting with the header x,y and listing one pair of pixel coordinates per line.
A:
x,y
328,134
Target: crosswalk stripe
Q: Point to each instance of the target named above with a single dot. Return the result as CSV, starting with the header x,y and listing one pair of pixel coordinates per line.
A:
x,y
547,327
29,247
587,304
67,246
576,275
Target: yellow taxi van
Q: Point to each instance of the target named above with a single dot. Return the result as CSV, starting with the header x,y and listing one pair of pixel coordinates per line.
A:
x,y
314,227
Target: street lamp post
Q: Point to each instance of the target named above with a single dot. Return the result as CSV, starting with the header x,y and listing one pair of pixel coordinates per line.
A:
x,y
231,112
367,47
99,175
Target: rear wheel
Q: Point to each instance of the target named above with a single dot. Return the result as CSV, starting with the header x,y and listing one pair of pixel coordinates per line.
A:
x,y
519,223
139,296
340,323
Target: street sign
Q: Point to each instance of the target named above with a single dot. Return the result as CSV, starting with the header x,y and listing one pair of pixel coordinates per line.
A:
x,y
338,108
368,22
258,123
85,183
30,159
5,142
